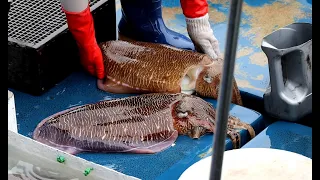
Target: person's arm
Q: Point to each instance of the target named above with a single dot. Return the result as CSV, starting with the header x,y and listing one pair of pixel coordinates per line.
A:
x,y
198,26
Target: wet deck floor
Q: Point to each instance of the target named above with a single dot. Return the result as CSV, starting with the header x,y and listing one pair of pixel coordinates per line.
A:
x,y
259,18
252,75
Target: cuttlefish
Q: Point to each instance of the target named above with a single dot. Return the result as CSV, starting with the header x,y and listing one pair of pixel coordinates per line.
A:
x,y
142,67
146,123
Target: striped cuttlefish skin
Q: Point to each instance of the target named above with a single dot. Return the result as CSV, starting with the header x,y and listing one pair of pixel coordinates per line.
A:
x,y
147,123
143,67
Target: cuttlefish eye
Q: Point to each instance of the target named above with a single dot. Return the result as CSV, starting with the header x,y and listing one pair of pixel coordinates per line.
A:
x,y
182,114
207,78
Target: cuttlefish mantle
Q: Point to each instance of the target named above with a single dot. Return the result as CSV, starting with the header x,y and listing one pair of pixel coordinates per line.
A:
x,y
142,67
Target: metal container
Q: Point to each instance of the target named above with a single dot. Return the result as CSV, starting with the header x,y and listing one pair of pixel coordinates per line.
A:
x,y
289,52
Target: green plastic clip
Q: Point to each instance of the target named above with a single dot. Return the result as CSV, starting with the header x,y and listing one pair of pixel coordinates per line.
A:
x,y
87,171
61,159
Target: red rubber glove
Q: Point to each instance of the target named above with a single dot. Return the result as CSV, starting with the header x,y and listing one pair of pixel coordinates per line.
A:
x,y
198,26
82,28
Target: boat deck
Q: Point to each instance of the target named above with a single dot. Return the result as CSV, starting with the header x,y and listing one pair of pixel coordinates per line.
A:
x,y
80,88
252,75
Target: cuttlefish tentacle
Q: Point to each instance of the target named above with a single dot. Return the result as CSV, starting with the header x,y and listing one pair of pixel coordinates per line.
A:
x,y
235,123
235,138
233,127
185,113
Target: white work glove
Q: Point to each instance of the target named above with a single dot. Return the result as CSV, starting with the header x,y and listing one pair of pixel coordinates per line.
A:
x,y
201,34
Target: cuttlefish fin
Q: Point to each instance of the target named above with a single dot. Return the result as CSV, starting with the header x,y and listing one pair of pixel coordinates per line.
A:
x,y
236,96
157,147
118,88
69,150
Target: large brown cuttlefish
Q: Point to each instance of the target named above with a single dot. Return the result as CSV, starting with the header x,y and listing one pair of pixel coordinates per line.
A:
x,y
146,123
142,67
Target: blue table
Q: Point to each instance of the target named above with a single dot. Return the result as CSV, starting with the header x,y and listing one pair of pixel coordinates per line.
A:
x,y
259,19
80,88
285,136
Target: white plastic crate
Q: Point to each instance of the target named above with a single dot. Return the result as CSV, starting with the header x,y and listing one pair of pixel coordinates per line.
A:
x,y
29,159
12,119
